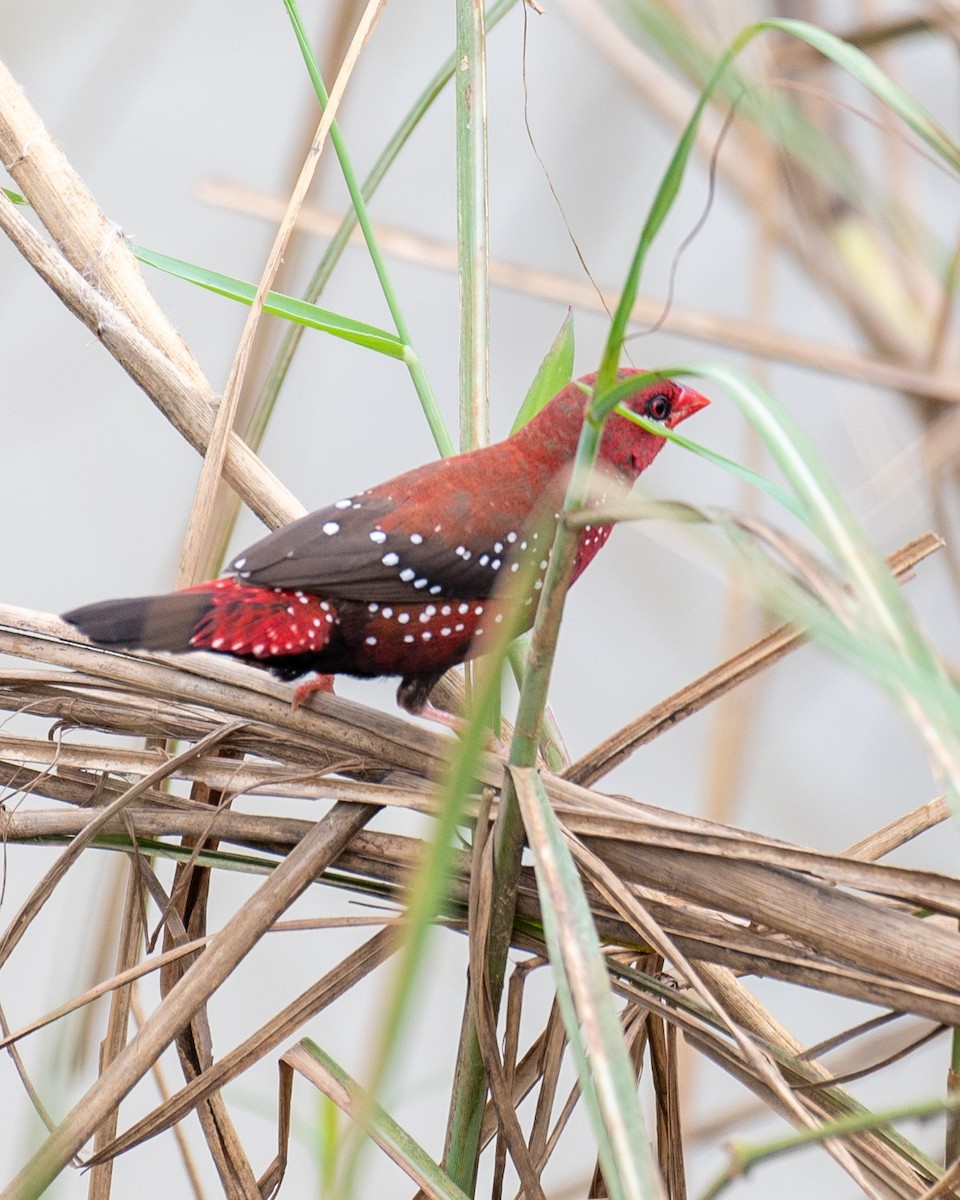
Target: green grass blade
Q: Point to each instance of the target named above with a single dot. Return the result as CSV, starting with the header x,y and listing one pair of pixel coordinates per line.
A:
x,y
418,375
278,304
341,238
862,68
395,1141
845,56
554,374
586,1003
920,683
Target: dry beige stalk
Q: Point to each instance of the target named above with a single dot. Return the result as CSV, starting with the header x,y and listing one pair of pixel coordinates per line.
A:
x,y
753,337
92,244
224,950
718,681
202,512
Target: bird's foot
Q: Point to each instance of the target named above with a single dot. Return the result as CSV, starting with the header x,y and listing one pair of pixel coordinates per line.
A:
x,y
319,683
459,726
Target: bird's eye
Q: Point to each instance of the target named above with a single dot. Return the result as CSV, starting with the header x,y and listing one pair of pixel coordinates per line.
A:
x,y
658,407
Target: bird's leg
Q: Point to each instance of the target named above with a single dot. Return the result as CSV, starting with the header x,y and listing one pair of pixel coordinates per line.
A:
x,y
319,683
413,696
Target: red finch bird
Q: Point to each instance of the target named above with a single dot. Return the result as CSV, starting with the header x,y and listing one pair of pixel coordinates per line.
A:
x,y
410,577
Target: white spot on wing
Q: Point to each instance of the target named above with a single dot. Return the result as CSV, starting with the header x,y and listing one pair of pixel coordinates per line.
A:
x,y
390,560
407,574
331,527
378,536
416,538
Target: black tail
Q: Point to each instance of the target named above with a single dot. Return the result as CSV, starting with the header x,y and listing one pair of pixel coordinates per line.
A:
x,y
144,622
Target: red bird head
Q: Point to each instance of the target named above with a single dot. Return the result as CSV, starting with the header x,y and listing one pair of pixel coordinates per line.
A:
x,y
625,448
630,449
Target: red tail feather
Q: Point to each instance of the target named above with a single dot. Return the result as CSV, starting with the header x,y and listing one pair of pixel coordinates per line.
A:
x,y
260,622
255,622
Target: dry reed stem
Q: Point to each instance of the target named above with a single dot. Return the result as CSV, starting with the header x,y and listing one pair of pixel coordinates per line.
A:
x,y
718,681
97,277
93,246
202,511
835,965
187,403
753,337
335,983
331,727
224,950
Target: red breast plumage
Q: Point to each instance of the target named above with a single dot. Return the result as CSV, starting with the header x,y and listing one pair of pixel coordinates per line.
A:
x,y
401,579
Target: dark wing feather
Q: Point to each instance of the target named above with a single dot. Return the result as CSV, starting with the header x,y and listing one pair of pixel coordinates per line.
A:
x,y
360,550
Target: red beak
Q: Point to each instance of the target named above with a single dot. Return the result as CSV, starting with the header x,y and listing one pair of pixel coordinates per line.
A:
x,y
689,402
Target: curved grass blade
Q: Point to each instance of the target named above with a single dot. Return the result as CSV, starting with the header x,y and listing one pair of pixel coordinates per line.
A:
x,y
278,304
893,649
586,1002
428,401
333,1081
338,243
848,58
536,683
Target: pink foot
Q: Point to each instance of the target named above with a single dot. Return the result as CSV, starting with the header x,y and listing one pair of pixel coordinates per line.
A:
x,y
458,725
319,683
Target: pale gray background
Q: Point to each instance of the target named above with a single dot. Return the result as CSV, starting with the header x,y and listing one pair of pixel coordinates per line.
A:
x,y
151,100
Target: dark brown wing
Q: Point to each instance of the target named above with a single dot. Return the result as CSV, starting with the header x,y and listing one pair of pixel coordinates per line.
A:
x,y
362,549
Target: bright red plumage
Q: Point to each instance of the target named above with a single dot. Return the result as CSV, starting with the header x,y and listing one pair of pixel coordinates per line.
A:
x,y
400,579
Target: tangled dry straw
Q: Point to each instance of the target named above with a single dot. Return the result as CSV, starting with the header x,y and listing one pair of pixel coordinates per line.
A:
x,y
711,900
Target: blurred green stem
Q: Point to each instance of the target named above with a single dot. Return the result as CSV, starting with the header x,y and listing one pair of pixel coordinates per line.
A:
x,y
472,223
427,399
263,411
462,1150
